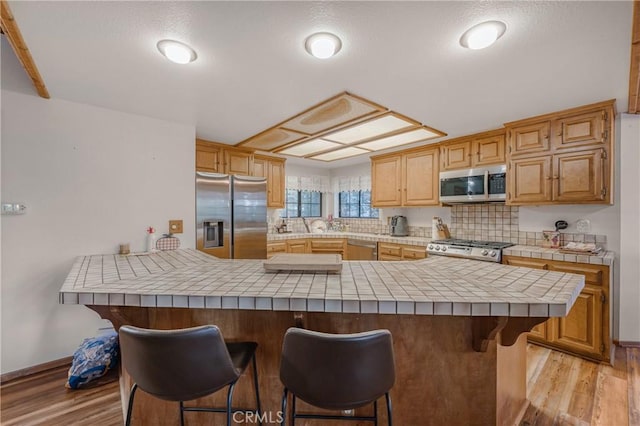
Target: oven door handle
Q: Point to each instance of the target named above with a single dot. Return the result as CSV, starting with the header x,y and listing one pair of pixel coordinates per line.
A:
x,y
486,184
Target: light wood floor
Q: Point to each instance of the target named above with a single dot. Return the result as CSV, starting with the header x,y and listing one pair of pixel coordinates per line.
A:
x,y
564,390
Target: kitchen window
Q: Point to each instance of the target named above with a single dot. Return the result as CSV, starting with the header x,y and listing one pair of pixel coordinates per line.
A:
x,y
303,203
356,204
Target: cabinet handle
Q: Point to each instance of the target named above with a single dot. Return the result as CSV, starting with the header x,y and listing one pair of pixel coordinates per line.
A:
x,y
556,177
549,178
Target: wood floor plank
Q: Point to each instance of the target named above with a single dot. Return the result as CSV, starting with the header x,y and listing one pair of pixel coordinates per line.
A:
x,y
610,404
633,383
581,405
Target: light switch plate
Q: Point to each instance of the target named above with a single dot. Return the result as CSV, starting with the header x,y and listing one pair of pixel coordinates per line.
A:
x,y
175,226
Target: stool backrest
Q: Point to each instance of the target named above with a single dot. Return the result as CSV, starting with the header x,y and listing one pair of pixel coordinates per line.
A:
x,y
177,365
337,371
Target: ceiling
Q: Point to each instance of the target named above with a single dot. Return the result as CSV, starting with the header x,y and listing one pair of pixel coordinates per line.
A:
x,y
253,72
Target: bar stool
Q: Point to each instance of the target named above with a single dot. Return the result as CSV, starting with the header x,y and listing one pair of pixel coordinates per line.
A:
x,y
337,372
185,364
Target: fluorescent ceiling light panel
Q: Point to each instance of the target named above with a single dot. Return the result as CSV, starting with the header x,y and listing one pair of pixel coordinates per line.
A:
x,y
370,129
340,153
306,148
400,139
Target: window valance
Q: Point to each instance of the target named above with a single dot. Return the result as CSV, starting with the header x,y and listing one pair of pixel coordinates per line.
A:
x,y
309,183
351,183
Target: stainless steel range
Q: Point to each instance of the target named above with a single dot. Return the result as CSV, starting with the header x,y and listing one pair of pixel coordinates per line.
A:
x,y
489,251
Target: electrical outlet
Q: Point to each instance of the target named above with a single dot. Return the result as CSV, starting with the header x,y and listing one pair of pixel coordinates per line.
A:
x,y
175,226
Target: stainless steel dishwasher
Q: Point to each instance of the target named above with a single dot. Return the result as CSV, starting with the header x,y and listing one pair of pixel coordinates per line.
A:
x,y
361,250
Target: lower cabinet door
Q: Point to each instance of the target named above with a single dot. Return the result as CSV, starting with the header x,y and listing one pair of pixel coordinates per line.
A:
x,y
581,329
539,332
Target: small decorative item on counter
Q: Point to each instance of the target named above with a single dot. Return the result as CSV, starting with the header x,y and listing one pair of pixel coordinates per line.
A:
x,y
551,239
124,249
151,239
581,248
168,242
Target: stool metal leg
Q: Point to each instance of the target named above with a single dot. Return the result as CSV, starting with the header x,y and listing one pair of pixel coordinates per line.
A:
x,y
375,412
134,388
229,399
255,383
181,413
388,398
283,407
293,409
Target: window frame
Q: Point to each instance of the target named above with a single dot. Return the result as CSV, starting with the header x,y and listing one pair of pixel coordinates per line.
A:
x,y
299,204
359,206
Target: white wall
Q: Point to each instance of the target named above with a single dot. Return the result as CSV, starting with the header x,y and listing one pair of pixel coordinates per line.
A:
x,y
629,282
91,178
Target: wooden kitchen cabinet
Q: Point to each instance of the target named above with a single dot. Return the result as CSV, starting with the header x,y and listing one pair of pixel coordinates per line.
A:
x,y
273,169
238,162
456,155
208,157
409,178
585,331
420,178
393,251
328,245
297,246
386,181
274,247
482,149
562,158
219,158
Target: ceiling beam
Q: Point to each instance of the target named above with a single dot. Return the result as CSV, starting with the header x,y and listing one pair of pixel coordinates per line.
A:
x,y
634,74
14,37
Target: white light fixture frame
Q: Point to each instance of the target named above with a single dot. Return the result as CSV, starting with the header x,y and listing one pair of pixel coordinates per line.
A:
x,y
323,45
176,51
483,35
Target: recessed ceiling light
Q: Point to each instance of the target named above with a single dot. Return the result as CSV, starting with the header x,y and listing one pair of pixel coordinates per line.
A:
x,y
177,52
483,35
323,45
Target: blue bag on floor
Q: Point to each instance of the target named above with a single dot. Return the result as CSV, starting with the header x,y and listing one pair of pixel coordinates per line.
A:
x,y
93,359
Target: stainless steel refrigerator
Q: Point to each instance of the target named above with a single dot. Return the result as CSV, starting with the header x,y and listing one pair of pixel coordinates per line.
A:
x,y
231,216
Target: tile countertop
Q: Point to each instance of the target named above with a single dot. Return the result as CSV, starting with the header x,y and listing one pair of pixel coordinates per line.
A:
x,y
603,258
434,286
385,238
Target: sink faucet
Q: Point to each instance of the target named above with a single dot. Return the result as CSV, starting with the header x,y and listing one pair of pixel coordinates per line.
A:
x,y
306,225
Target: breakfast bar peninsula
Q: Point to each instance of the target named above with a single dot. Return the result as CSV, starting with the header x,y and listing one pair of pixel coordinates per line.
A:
x,y
457,325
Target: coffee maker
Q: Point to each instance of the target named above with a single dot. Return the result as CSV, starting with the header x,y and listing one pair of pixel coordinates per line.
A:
x,y
399,226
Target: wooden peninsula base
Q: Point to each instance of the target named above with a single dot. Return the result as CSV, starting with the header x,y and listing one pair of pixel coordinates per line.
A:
x,y
450,370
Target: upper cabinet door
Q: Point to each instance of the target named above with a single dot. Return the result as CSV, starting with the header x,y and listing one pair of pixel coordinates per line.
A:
x,y
208,159
529,138
579,176
456,155
386,181
530,180
420,178
238,163
260,167
487,151
579,130
275,194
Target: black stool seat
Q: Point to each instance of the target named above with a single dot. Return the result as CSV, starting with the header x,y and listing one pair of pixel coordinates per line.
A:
x,y
185,364
337,371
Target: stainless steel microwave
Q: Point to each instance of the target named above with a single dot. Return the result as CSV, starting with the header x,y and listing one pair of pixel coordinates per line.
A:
x,y
474,185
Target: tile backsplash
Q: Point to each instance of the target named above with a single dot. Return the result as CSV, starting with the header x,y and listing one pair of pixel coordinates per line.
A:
x,y
490,222
497,222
